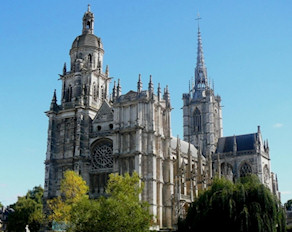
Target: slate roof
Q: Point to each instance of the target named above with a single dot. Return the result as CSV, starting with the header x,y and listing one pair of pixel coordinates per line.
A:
x,y
184,146
87,40
243,142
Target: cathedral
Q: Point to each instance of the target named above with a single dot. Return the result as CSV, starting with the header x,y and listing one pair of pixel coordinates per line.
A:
x,y
95,132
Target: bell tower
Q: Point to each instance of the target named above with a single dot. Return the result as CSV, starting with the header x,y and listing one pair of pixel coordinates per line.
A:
x,y
202,117
85,87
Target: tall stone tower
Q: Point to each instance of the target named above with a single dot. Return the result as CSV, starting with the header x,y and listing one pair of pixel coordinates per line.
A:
x,y
202,117
84,88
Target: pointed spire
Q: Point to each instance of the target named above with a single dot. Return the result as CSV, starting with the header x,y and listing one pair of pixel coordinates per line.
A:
x,y
114,91
166,96
107,71
139,84
201,80
119,89
54,105
159,92
64,69
259,129
150,85
54,99
88,8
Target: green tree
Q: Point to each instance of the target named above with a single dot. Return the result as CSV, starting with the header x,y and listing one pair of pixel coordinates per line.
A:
x,y
28,210
73,190
120,211
245,206
288,205
1,205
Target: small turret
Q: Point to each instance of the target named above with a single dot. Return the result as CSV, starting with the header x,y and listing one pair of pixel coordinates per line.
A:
x,y
64,69
139,84
166,97
114,91
159,92
107,71
54,105
150,86
119,89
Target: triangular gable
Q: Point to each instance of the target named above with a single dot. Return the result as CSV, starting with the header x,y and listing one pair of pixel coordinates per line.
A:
x,y
105,113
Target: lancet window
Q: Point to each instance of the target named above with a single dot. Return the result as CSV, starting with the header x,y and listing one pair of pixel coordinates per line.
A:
x,y
197,121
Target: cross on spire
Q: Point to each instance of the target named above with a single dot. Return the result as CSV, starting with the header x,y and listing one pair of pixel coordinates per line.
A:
x,y
198,18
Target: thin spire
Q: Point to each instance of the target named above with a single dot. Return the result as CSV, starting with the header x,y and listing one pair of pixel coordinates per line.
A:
x,y
158,92
119,89
201,80
114,91
139,84
54,99
64,69
150,85
88,8
107,71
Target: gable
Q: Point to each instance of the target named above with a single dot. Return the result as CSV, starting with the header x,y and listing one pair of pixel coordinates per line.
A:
x,y
105,113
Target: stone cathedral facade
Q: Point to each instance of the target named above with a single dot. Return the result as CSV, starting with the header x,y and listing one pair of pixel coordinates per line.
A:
x,y
95,132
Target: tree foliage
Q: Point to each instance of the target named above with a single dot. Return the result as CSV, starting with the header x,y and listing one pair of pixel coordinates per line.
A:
x,y
288,205
121,210
245,206
28,210
73,190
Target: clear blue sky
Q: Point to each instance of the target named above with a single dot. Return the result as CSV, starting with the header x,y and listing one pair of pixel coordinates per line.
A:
x,y
247,47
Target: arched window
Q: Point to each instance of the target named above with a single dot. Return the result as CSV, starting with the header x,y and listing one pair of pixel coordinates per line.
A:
x,y
197,121
88,25
245,170
90,58
69,94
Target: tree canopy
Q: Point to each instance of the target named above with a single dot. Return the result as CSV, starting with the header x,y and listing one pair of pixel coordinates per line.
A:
x,y
73,190
288,205
28,210
245,206
120,210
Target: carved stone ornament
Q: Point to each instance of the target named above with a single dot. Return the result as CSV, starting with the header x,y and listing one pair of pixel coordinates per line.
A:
x,y
102,156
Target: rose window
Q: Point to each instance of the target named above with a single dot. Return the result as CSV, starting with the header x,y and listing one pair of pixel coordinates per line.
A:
x,y
102,156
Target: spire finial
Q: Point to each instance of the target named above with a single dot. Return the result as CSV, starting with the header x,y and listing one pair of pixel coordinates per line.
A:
x,y
88,8
198,19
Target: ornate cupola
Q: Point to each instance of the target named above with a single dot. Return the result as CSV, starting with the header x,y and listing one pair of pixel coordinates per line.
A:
x,y
87,49
85,84
88,22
